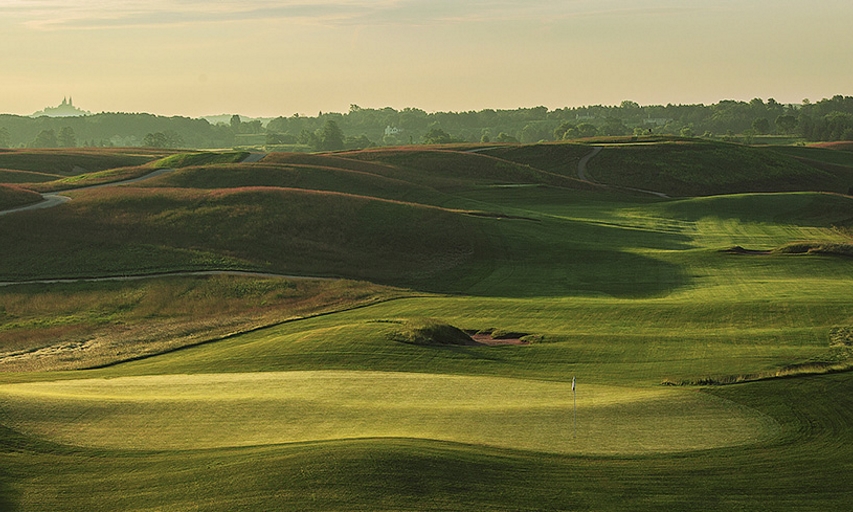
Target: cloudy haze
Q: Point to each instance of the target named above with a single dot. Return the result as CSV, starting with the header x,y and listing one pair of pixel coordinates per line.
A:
x,y
268,57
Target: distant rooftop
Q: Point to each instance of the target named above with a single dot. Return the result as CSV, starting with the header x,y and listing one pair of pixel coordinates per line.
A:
x,y
65,109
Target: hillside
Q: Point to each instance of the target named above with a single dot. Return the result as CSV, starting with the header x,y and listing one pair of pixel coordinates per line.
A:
x,y
461,328
684,169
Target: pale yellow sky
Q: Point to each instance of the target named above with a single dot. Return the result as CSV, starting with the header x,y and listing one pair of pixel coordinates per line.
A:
x,y
279,57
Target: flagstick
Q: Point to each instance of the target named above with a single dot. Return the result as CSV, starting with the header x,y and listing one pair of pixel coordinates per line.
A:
x,y
574,411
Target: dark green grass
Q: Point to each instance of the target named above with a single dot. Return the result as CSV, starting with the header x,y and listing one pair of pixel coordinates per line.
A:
x,y
561,158
807,468
12,176
304,176
708,168
818,154
449,169
67,162
128,230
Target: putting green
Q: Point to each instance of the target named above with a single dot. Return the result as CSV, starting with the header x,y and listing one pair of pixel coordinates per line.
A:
x,y
174,412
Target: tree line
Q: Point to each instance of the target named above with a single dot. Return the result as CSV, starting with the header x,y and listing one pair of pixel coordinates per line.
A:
x,y
826,120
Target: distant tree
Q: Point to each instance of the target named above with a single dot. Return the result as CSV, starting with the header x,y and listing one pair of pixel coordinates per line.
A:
x,y
173,139
235,123
586,130
687,132
67,137
485,139
332,137
359,142
565,131
437,136
505,137
309,138
45,139
252,127
614,127
761,126
786,124
281,138
154,140
4,137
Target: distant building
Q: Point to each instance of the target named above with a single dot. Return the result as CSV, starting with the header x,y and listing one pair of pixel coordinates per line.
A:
x,y
392,130
65,109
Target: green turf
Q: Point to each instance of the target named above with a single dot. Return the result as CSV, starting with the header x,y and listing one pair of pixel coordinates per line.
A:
x,y
622,290
190,159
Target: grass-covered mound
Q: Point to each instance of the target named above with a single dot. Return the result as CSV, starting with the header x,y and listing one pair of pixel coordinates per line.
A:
x,y
293,175
69,162
124,229
431,332
561,158
701,168
448,170
12,197
204,158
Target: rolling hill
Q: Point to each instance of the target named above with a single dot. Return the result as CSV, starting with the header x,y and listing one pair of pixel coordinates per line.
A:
x,y
285,392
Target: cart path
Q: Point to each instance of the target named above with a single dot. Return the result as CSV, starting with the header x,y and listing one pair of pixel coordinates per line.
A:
x,y
582,175
51,199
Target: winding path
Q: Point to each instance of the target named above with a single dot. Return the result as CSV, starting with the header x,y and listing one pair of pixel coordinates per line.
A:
x,y
51,199
582,175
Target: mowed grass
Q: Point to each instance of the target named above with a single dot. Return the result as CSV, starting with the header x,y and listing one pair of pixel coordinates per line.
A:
x,y
253,409
805,467
331,413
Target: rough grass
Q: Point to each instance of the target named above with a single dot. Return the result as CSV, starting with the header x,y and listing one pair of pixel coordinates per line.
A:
x,y
12,197
431,332
67,326
69,162
91,179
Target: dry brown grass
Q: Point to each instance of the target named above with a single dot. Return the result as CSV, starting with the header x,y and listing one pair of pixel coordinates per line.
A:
x,y
82,325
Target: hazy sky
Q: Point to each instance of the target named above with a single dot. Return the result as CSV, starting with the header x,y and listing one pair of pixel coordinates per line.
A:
x,y
279,57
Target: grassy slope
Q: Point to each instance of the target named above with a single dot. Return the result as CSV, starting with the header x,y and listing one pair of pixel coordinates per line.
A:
x,y
626,292
73,325
12,197
67,162
709,168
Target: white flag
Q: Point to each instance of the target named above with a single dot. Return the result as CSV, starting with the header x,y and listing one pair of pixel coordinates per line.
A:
x,y
573,383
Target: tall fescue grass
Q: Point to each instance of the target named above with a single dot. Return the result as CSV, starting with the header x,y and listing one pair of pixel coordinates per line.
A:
x,y
68,326
12,196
